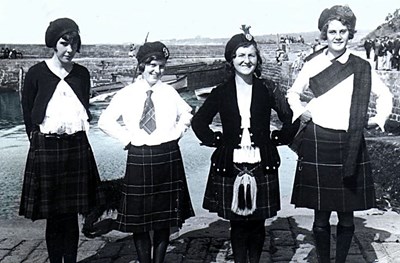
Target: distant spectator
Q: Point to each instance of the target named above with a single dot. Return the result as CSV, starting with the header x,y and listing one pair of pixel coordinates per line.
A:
x,y
6,52
389,53
316,45
381,60
131,52
377,43
368,46
280,56
396,53
13,54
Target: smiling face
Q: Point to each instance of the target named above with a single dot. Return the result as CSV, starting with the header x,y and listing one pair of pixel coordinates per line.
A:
x,y
337,37
153,71
245,60
65,50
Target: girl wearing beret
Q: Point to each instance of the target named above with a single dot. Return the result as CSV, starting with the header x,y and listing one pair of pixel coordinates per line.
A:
x,y
243,180
333,171
155,192
61,176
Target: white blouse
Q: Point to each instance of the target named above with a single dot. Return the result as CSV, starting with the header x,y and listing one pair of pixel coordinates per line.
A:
x,y
172,114
64,113
332,109
246,153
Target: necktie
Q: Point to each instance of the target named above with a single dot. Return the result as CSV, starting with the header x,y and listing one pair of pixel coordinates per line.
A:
x,y
148,120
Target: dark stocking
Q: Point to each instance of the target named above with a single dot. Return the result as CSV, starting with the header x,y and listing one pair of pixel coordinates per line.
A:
x,y
62,237
247,239
239,241
71,238
143,246
161,241
54,240
256,240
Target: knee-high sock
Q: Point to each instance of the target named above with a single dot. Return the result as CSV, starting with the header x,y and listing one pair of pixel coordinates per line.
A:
x,y
344,236
322,236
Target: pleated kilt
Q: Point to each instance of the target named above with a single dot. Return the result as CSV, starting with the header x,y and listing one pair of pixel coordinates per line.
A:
x,y
318,182
155,193
219,194
60,177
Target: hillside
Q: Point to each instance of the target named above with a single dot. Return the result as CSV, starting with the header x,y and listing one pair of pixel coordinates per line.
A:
x,y
390,28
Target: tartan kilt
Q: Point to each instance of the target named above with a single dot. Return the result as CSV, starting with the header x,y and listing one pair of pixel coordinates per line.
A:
x,y
155,193
219,194
60,177
319,181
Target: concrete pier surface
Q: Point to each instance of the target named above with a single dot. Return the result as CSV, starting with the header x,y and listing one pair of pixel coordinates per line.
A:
x,y
205,238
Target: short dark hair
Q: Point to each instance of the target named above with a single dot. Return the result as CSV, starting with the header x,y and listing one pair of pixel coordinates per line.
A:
x,y
324,30
142,65
231,69
73,37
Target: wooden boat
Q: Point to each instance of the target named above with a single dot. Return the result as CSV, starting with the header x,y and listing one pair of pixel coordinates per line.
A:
x,y
200,74
202,93
106,88
209,75
179,82
191,75
103,93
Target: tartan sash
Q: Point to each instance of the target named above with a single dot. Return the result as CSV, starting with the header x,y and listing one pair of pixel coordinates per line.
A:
x,y
329,78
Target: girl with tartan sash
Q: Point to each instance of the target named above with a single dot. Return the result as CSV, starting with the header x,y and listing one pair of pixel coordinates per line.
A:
x,y
333,171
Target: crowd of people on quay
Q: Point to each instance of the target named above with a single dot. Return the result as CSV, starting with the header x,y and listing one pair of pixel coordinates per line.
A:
x,y
148,118
386,52
7,53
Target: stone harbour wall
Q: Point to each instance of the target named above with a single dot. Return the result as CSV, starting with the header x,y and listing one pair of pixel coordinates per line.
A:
x,y
110,63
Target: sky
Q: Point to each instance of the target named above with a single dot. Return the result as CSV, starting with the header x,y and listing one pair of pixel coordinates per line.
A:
x,y
129,21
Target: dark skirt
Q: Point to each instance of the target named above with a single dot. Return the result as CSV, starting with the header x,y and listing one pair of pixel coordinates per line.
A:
x,y
155,194
219,194
61,177
319,180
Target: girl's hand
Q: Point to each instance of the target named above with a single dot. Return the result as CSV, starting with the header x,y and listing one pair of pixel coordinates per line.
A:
x,y
306,116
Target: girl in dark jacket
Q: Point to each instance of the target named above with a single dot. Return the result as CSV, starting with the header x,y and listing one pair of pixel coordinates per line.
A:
x,y
61,176
243,181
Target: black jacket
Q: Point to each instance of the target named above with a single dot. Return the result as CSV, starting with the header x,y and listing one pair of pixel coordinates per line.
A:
x,y
39,86
223,100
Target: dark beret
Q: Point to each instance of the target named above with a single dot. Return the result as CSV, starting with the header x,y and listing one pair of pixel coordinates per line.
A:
x,y
339,12
58,28
149,49
237,41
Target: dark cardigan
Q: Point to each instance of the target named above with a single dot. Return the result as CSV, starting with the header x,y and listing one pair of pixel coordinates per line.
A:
x,y
39,86
223,100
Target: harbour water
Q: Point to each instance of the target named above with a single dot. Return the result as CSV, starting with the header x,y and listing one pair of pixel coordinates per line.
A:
x,y
109,155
